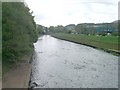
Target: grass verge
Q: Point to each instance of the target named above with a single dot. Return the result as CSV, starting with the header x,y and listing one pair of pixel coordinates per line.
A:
x,y
107,43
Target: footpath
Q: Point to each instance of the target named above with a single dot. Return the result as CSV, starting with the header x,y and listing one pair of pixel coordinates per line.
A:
x,y
19,76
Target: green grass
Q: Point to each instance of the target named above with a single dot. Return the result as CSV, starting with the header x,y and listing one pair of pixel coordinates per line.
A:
x,y
104,42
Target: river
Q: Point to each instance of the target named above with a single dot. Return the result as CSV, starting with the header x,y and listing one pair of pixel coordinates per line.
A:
x,y
62,64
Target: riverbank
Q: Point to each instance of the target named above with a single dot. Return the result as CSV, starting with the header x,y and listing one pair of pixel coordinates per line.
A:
x,y
0,83
19,75
102,43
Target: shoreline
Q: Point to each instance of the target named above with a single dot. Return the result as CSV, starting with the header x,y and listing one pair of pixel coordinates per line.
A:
x,y
0,75
114,52
0,82
18,78
19,75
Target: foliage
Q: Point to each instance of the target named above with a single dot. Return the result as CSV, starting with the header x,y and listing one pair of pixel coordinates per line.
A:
x,y
18,31
88,29
42,30
57,29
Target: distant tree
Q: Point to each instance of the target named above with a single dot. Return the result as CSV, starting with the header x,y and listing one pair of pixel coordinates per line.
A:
x,y
52,29
40,30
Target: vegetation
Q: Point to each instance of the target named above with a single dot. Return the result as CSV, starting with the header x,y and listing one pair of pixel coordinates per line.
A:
x,y
18,32
0,40
88,29
103,35
103,42
41,30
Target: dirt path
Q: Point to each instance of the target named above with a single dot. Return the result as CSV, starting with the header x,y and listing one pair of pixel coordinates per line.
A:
x,y
0,82
18,77
0,75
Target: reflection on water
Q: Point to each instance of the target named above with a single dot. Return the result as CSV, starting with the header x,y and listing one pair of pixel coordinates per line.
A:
x,y
63,64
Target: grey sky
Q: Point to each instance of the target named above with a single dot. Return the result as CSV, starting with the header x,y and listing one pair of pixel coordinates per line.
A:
x,y
64,12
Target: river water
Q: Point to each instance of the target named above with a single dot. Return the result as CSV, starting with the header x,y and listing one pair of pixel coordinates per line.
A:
x,y
62,64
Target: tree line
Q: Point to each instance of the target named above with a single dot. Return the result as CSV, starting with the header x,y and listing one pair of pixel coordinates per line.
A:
x,y
19,31
87,28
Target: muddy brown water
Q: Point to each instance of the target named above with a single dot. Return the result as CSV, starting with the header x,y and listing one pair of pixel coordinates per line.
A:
x,y
62,64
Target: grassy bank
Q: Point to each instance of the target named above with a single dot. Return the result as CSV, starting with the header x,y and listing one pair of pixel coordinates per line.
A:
x,y
108,43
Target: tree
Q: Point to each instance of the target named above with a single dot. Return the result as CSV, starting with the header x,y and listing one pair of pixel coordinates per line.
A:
x,y
18,31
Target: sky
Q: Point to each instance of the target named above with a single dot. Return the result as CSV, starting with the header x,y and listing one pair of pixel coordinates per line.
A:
x,y
64,12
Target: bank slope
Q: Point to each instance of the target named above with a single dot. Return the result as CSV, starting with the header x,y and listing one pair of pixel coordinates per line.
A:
x,y
107,43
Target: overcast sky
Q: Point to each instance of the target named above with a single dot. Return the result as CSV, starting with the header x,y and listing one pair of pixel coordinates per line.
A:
x,y
64,12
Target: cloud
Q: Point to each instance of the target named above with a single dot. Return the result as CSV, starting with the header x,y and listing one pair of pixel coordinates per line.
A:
x,y
64,12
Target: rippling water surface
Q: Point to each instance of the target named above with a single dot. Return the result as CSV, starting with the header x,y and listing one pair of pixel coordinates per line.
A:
x,y
63,64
